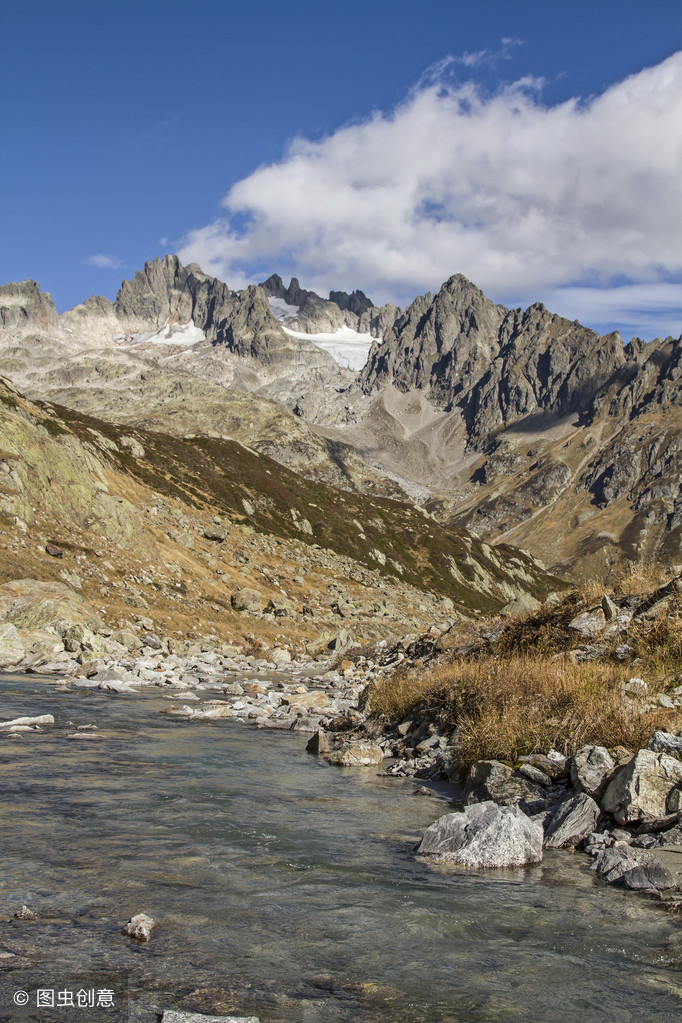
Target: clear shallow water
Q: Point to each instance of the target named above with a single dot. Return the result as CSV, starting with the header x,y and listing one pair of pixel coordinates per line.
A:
x,y
287,888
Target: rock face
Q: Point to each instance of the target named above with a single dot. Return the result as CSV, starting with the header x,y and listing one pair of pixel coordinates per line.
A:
x,y
24,304
640,789
571,822
562,423
11,648
589,768
313,314
167,292
495,364
492,780
484,835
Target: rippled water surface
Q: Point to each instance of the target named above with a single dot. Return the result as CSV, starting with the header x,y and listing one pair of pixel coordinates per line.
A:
x,y
287,888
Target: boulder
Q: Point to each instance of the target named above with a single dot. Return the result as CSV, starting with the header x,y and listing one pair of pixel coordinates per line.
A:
x,y
318,743
521,605
357,754
571,822
277,606
484,835
609,608
279,655
640,789
11,648
554,766
665,742
635,687
589,624
589,768
612,862
246,599
216,533
139,927
72,636
535,774
307,701
490,779
127,639
645,876
634,868
151,641
40,647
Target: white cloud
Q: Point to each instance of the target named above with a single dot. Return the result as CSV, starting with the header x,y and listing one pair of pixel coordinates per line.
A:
x,y
522,197
104,262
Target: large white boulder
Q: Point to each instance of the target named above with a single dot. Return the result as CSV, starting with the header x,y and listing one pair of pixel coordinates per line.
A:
x,y
484,835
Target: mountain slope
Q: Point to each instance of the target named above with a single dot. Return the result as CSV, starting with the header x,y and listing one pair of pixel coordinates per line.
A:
x,y
170,527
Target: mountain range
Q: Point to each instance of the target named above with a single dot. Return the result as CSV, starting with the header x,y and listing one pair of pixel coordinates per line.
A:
x,y
511,427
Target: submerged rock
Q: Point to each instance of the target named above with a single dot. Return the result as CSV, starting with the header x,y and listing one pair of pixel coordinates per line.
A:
x,y
173,1016
139,927
484,835
25,914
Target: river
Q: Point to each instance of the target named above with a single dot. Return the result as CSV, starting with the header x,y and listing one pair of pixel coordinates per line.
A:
x,y
284,888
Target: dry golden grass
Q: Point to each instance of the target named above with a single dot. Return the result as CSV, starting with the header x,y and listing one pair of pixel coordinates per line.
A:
x,y
639,578
515,705
658,646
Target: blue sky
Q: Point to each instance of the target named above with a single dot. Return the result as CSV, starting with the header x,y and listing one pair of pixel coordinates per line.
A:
x,y
376,145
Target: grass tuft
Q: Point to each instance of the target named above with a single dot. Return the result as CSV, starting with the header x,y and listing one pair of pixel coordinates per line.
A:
x,y
504,708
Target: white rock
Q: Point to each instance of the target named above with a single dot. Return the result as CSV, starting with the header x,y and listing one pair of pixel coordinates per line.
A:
x,y
41,719
139,927
484,835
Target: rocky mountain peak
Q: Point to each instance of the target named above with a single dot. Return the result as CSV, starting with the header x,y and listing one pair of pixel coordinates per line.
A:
x,y
357,302
496,365
293,295
23,305
274,287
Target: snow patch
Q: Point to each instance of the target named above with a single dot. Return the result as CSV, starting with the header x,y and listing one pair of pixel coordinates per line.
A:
x,y
171,334
281,309
347,346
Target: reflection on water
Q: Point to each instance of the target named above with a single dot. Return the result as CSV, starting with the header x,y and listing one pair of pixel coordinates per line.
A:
x,y
287,888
